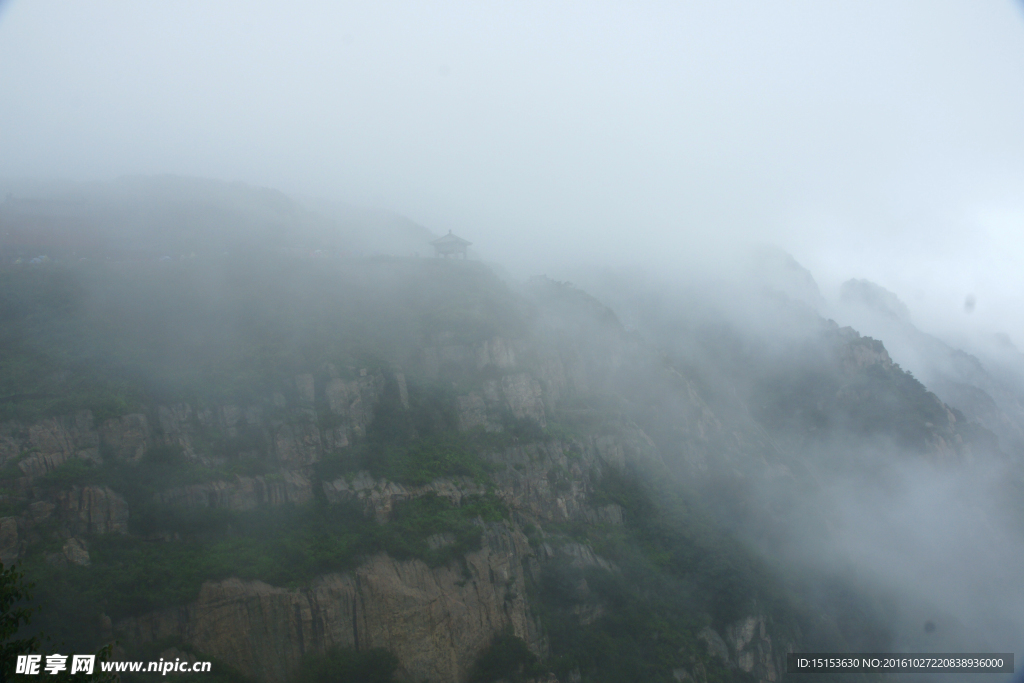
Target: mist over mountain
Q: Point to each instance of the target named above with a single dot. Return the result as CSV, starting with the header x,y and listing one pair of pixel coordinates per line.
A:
x,y
509,343
239,427
147,218
989,393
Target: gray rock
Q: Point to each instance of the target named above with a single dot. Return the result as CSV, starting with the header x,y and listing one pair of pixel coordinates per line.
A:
x,y
716,646
379,497
306,388
243,493
435,620
472,413
498,352
39,511
91,510
403,390
125,437
750,640
297,443
55,440
175,421
76,552
354,400
523,395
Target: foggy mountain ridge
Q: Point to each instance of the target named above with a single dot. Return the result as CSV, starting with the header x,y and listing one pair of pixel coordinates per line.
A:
x,y
148,217
420,457
989,395
728,365
874,297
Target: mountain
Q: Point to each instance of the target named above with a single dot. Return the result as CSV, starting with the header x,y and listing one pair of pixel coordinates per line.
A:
x,y
146,218
370,232
278,462
988,393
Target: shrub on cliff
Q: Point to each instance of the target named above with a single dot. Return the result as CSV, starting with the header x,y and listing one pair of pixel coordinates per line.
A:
x,y
506,659
345,665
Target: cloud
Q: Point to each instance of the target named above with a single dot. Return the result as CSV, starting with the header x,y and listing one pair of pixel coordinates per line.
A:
x,y
868,139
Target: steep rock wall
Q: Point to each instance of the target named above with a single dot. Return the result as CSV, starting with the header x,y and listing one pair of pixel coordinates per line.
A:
x,y
436,620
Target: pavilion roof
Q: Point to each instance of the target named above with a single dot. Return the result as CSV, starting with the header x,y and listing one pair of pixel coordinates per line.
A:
x,y
450,240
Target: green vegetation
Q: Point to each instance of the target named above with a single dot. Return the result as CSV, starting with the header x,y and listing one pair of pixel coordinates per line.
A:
x,y
419,462
676,575
421,443
414,522
646,626
163,467
14,593
284,546
124,339
15,618
345,665
113,338
507,659
816,396
726,578
46,362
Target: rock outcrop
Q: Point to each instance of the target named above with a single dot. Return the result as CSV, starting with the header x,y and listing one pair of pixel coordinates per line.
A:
x,y
125,437
49,443
746,645
176,428
353,401
553,481
243,493
289,430
549,482
74,551
518,395
379,496
67,513
751,645
297,442
435,620
91,510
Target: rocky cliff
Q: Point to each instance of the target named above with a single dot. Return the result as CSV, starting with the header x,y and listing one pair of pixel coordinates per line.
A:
x,y
550,449
435,620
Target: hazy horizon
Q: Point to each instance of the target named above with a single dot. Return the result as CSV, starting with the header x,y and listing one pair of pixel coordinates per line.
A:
x,y
723,182
872,141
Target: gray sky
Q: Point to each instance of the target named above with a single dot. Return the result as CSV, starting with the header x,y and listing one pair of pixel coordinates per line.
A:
x,y
875,139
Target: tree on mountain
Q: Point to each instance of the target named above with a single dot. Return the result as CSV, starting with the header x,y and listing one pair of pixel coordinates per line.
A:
x,y
15,593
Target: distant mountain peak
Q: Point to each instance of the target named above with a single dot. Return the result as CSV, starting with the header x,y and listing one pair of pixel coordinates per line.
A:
x,y
875,297
777,270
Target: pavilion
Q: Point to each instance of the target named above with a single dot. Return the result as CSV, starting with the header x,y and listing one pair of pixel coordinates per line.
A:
x,y
450,245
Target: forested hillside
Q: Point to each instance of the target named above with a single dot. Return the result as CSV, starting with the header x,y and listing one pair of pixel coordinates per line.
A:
x,y
413,465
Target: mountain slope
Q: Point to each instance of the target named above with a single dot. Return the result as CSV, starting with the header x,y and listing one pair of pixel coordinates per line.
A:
x,y
262,459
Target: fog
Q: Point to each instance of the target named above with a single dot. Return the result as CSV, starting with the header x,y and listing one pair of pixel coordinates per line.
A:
x,y
868,139
736,181
935,540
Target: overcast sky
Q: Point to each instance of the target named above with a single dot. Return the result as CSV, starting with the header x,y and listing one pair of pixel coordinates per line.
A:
x,y
876,139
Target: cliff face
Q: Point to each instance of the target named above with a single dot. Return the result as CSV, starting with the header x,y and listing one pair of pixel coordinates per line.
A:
x,y
558,409
435,620
745,645
243,493
71,513
287,427
46,445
